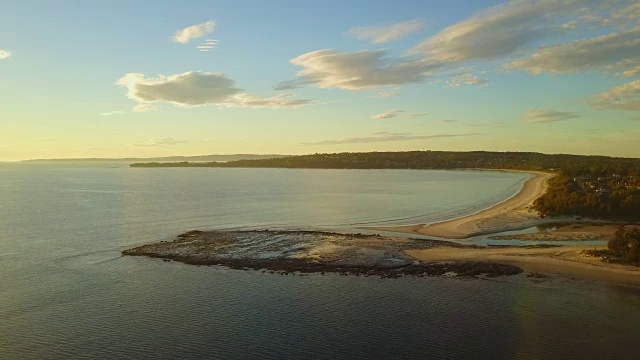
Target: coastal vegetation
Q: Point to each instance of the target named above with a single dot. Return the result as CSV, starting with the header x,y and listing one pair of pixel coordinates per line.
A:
x,y
610,196
572,165
626,244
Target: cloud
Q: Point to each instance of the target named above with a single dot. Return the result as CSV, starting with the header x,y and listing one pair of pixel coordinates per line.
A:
x,y
384,137
449,121
466,79
187,34
387,93
291,84
5,54
384,34
359,70
142,107
110,113
167,141
492,124
207,45
621,97
198,88
387,114
277,101
190,88
617,52
396,113
499,31
540,116
624,15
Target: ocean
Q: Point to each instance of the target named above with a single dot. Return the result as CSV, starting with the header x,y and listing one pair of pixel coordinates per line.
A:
x,y
66,293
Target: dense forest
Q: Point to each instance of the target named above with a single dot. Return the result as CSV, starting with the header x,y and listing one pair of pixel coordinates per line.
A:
x,y
610,196
593,186
571,165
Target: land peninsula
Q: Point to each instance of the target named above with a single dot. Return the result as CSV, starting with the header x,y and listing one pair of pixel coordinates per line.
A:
x,y
302,252
584,197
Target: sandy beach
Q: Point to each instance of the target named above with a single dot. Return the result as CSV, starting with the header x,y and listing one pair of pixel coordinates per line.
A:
x,y
568,261
512,214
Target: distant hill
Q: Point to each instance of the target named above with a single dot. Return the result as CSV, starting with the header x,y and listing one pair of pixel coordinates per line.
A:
x,y
573,165
199,158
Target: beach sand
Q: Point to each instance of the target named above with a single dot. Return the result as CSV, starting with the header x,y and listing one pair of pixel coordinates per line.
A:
x,y
512,214
583,231
568,261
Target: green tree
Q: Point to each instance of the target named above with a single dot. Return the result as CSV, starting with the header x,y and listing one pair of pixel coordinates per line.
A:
x,y
626,243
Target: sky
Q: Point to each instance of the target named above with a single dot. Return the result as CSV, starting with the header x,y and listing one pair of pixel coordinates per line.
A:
x,y
146,79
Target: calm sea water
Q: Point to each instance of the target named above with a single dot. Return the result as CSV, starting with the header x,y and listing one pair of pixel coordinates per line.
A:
x,y
65,291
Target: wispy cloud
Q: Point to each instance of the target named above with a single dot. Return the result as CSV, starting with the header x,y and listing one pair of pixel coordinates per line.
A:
x,y
279,101
5,54
385,137
540,116
624,15
360,70
208,45
143,107
621,97
166,141
615,53
384,34
466,79
110,113
387,93
499,31
196,89
397,113
505,31
292,84
387,114
189,33
492,124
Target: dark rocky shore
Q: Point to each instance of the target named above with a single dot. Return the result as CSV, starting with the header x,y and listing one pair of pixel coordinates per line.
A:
x,y
315,252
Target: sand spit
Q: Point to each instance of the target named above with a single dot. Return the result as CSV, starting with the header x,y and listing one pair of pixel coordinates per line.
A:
x,y
512,214
569,261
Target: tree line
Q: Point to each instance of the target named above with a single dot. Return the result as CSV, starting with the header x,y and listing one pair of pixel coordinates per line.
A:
x,y
568,164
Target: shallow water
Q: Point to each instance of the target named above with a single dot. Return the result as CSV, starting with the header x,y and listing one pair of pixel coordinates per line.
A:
x,y
65,291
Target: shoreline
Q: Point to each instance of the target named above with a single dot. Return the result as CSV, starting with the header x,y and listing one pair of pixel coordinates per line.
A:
x,y
291,252
314,252
508,215
566,261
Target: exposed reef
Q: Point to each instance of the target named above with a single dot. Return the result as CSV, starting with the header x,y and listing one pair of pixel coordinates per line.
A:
x,y
316,252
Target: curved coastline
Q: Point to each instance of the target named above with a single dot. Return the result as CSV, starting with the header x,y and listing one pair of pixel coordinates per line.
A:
x,y
511,214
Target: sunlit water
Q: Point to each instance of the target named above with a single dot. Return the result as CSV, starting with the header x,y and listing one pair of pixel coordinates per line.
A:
x,y
65,291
